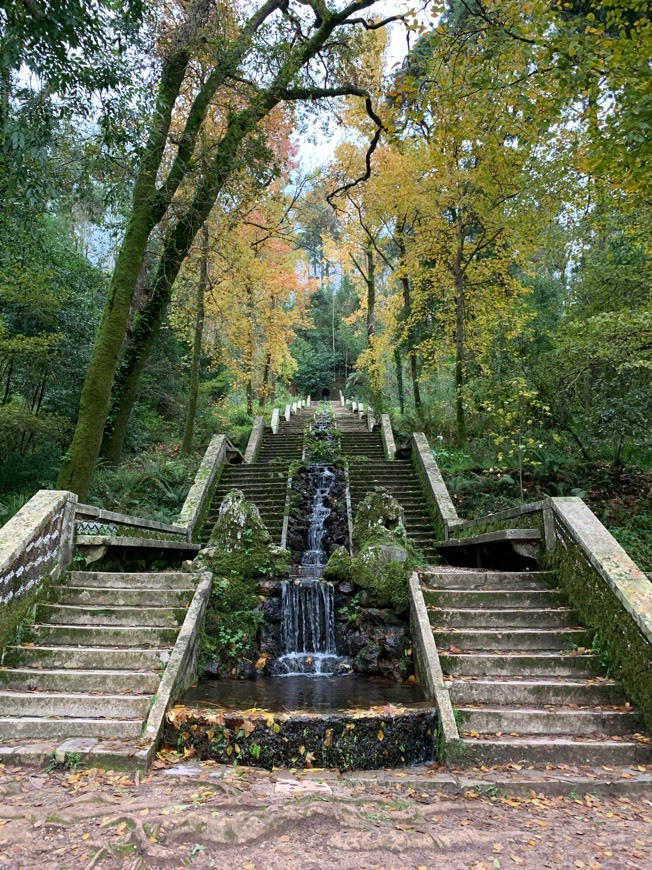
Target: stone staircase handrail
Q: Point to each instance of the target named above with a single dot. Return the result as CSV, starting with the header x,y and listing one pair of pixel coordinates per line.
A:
x,y
436,490
275,421
90,515
181,668
255,440
218,452
387,436
36,542
631,587
428,666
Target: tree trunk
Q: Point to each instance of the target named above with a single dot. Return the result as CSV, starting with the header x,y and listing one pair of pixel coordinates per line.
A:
x,y
460,415
78,466
407,303
149,208
150,205
399,379
176,247
415,382
202,284
264,388
371,294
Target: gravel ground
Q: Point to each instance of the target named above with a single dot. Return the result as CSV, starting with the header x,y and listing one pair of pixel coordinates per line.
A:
x,y
222,817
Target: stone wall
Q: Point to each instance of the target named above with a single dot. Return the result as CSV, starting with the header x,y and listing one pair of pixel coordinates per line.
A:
x,y
36,542
208,473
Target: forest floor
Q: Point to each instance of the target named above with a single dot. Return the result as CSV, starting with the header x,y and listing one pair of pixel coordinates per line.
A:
x,y
207,815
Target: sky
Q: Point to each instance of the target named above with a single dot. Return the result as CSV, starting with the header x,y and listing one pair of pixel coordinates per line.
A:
x,y
319,152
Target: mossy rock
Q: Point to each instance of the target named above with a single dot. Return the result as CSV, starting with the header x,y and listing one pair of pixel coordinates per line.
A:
x,y
238,524
379,518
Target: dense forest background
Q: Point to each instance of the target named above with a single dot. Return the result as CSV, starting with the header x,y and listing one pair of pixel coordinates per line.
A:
x,y
470,252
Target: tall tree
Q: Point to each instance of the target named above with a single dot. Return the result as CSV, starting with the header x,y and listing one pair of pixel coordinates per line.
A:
x,y
260,62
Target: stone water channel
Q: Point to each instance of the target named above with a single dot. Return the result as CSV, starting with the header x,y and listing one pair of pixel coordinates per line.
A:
x,y
316,684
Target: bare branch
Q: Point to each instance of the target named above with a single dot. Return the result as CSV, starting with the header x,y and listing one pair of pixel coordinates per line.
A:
x,y
376,25
366,175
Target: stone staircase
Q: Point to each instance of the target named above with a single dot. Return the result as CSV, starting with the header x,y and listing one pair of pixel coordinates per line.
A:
x,y
264,482
523,675
287,446
265,485
94,657
368,469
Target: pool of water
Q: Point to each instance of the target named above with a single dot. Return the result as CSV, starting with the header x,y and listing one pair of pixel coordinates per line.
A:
x,y
312,694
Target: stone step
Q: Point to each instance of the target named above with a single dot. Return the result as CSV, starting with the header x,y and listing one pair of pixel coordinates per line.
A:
x,y
260,483
556,751
467,579
71,680
74,705
273,473
496,598
535,692
525,617
117,580
560,720
63,614
44,728
526,664
98,597
372,476
513,638
105,636
119,659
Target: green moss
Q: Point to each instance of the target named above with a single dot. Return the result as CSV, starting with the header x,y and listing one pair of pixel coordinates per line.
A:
x,y
377,532
239,555
621,645
17,616
530,520
431,504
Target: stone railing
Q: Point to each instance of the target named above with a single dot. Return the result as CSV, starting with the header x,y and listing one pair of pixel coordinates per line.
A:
x,y
429,671
440,504
218,453
255,440
94,521
276,421
387,437
36,542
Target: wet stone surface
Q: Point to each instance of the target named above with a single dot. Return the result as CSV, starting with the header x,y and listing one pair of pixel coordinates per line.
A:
x,y
318,694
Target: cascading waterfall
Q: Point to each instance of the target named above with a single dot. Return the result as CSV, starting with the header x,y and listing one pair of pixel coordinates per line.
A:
x,y
308,609
315,556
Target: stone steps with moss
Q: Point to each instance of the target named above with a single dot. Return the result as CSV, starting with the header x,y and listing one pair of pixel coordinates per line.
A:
x,y
522,674
262,485
92,662
400,479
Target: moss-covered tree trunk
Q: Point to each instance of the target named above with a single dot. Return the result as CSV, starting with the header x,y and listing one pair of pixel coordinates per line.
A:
x,y
371,293
193,393
150,204
460,350
407,303
264,390
398,362
79,463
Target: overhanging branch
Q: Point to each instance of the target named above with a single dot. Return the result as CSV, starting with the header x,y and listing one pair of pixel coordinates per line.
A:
x,y
366,175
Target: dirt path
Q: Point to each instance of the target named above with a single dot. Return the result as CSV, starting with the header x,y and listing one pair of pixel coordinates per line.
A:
x,y
222,818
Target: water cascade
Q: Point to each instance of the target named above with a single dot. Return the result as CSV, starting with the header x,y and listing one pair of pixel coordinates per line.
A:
x,y
308,612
